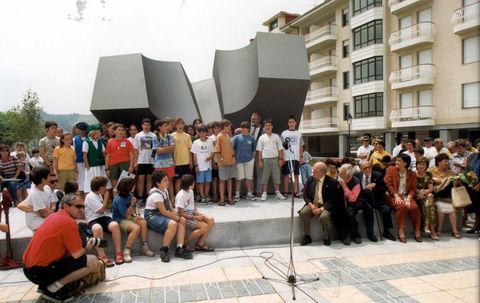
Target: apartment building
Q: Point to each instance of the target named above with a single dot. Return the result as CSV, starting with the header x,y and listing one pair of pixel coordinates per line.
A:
x,y
388,68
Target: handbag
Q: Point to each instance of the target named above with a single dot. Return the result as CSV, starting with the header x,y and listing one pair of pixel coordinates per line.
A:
x,y
460,197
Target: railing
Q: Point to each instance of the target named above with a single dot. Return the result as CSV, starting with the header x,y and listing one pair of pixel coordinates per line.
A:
x,y
394,2
319,123
330,29
467,13
322,93
322,62
422,71
413,113
422,29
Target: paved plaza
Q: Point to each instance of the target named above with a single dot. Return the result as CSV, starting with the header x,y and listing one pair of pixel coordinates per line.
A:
x,y
444,271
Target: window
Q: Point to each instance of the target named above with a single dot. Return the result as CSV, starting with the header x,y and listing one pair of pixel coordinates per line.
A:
x,y
471,95
425,98
360,6
368,34
425,57
367,70
345,48
471,51
345,17
273,25
346,80
346,111
370,105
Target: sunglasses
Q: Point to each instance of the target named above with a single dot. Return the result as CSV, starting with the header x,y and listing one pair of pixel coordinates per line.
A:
x,y
53,181
78,206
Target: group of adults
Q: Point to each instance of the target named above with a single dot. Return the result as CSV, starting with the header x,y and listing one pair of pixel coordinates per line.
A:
x,y
415,181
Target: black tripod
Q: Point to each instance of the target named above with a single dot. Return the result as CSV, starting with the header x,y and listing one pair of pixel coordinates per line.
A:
x,y
290,277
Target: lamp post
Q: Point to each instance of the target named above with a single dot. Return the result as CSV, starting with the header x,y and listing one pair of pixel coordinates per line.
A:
x,y
349,122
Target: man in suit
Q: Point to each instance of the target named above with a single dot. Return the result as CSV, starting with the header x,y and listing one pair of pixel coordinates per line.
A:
x,y
320,194
371,197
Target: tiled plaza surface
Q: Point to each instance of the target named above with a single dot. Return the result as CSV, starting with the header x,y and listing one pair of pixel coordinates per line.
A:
x,y
444,271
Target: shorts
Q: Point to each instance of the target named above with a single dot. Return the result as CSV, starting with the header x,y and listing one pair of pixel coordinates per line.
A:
x,y
204,176
46,275
104,223
25,184
125,223
116,169
271,167
169,170
245,170
64,176
145,169
156,221
286,168
190,223
227,172
181,170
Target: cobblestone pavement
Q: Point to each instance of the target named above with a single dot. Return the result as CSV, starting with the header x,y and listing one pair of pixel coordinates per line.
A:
x,y
445,271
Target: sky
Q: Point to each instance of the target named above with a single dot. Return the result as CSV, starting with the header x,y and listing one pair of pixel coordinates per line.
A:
x,y
53,46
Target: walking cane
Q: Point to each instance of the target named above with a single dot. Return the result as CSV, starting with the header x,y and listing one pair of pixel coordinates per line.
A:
x,y
376,216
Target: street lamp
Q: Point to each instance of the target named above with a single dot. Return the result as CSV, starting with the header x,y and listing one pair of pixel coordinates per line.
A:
x,y
349,122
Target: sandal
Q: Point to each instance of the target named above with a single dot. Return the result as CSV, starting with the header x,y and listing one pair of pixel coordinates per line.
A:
x,y
221,203
434,237
203,248
418,238
456,235
108,262
231,202
298,195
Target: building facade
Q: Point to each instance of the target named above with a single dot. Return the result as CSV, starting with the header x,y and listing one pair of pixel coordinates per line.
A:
x,y
388,68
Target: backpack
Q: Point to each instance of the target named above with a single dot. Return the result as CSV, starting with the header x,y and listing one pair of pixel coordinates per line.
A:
x,y
77,288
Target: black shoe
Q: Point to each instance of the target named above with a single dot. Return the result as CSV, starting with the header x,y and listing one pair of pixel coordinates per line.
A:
x,y
372,238
327,242
389,236
347,241
164,254
306,240
357,240
182,253
58,297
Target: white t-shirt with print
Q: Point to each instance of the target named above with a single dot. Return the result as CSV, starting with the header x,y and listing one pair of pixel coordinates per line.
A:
x,y
294,137
155,196
143,142
93,203
203,150
185,200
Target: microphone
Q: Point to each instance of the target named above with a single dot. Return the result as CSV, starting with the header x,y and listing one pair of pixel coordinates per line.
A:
x,y
286,143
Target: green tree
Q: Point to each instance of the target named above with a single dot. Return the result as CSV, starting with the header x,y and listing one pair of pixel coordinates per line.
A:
x,y
23,122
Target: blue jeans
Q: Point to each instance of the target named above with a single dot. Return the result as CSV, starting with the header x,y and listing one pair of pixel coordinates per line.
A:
x,y
305,171
12,189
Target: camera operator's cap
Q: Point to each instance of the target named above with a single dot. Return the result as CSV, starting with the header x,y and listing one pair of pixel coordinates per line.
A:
x,y
427,139
81,126
93,127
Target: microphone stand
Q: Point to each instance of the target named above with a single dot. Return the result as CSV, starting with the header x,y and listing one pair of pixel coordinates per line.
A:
x,y
290,277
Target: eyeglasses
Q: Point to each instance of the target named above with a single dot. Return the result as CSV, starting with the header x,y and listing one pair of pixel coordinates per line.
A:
x,y
53,181
78,206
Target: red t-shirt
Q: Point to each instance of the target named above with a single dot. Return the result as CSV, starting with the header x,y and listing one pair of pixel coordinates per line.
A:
x,y
55,239
119,150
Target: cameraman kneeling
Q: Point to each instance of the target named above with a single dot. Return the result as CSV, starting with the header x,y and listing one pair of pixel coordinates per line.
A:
x,y
55,257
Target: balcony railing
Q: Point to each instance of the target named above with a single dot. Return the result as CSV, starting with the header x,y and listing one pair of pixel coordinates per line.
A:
x,y
422,71
330,29
321,93
413,113
465,14
425,30
322,62
328,122
400,6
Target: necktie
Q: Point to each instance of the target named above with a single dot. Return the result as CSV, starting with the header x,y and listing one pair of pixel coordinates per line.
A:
x,y
367,181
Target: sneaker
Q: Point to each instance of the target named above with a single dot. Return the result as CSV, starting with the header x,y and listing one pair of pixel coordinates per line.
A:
x,y
279,196
164,254
108,262
126,255
182,253
236,198
264,196
57,297
203,201
119,258
145,251
250,197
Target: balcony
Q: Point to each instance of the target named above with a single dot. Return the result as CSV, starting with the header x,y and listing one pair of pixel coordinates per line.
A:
x,y
466,18
400,6
321,125
367,123
373,13
413,116
322,96
320,38
418,75
322,67
412,36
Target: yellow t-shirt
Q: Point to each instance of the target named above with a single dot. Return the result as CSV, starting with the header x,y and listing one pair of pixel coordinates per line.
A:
x,y
183,143
223,146
66,158
377,158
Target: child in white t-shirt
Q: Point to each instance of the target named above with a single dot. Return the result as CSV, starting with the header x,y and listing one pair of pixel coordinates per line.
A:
x,y
202,150
185,207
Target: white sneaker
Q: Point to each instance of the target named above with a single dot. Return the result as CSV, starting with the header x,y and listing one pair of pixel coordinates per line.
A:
x,y
126,256
279,196
236,198
264,196
250,197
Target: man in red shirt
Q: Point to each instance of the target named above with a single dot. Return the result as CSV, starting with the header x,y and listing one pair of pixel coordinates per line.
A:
x,y
55,256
